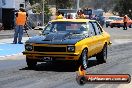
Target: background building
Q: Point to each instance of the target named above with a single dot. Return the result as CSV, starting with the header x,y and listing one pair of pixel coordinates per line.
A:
x,y
7,10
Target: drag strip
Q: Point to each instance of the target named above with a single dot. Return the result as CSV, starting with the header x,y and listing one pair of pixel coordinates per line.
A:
x,y
50,75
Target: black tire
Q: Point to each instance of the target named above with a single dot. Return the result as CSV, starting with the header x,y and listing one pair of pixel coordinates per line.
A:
x,y
130,26
84,59
81,80
111,26
106,25
31,63
102,56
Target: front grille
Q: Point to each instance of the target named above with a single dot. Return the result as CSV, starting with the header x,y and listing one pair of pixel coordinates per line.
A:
x,y
49,49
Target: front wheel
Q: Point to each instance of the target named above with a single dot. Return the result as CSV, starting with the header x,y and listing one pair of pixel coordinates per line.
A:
x,y
84,58
102,56
107,25
31,63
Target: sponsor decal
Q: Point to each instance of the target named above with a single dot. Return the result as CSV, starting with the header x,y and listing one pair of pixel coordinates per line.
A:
x,y
83,77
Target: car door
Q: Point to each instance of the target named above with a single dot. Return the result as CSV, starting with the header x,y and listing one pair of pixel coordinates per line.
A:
x,y
92,41
99,37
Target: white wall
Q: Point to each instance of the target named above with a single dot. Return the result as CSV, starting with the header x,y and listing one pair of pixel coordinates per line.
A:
x,y
18,2
12,3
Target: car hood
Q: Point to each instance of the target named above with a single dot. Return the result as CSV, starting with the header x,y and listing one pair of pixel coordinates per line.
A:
x,y
57,38
109,20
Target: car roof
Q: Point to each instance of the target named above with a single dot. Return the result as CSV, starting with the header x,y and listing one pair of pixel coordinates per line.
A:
x,y
72,20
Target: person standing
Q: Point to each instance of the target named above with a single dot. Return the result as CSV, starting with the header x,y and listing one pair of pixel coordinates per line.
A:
x,y
21,18
59,15
80,15
125,20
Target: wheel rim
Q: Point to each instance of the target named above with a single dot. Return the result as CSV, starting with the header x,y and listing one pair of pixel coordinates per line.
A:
x,y
84,59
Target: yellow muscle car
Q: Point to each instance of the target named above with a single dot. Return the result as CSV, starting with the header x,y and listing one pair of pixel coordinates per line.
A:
x,y
68,40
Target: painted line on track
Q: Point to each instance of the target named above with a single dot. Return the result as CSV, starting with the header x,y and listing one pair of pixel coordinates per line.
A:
x,y
7,49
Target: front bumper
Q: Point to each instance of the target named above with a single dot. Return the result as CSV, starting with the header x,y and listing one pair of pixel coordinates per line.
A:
x,y
117,25
55,56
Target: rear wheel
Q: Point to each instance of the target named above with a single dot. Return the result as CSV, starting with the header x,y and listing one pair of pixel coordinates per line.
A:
x,y
130,26
111,26
84,59
102,56
106,25
31,63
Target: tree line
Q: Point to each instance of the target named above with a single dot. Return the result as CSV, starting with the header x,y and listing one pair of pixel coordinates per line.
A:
x,y
117,7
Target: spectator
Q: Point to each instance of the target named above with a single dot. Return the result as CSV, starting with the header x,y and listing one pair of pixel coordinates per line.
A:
x,y
69,16
21,18
125,20
59,15
80,15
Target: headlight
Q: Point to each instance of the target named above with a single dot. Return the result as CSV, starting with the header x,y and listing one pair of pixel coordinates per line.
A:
x,y
71,48
29,47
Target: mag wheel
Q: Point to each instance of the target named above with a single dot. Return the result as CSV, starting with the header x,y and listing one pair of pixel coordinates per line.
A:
x,y
102,56
84,58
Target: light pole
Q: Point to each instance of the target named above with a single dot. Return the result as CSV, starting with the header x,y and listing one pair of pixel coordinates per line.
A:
x,y
43,12
78,1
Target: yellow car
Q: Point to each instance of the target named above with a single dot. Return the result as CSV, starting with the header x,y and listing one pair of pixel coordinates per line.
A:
x,y
73,40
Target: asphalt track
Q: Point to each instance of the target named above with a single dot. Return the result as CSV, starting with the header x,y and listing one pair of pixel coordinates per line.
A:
x,y
15,74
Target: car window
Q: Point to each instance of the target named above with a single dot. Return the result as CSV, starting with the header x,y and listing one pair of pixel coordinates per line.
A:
x,y
97,28
112,18
48,27
119,19
91,30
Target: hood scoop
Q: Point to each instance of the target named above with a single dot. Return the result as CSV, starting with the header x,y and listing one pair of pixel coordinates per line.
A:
x,y
56,37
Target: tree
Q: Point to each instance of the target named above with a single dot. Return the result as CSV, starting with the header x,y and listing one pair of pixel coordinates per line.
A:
x,y
123,7
64,4
39,9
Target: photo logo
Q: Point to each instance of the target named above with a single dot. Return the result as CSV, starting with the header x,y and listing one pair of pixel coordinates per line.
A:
x,y
83,77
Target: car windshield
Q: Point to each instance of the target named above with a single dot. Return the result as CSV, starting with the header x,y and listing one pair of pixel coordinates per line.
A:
x,y
112,18
71,27
119,18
